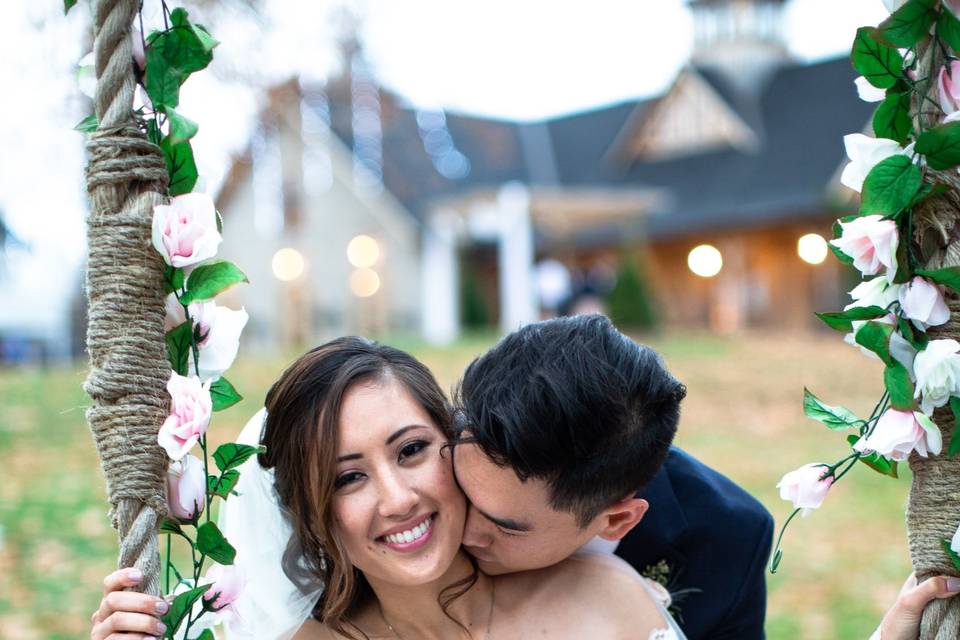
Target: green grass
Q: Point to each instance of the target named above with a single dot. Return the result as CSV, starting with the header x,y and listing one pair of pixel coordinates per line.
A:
x,y
842,566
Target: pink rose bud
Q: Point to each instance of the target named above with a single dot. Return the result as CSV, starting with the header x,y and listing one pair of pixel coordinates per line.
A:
x,y
898,433
186,487
872,243
922,301
185,231
136,44
189,417
948,83
805,488
228,583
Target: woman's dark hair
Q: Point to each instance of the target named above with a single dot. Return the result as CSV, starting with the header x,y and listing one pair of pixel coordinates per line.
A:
x,y
576,403
300,434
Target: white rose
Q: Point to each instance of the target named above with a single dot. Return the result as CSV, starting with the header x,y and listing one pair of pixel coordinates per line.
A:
x,y
937,371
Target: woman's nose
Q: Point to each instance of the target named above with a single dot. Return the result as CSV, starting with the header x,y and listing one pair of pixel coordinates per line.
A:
x,y
397,496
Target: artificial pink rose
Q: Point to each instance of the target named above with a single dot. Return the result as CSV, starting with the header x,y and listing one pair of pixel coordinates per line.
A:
x,y
136,46
937,373
872,243
922,302
949,85
189,417
898,433
219,330
228,583
865,152
186,487
805,487
185,231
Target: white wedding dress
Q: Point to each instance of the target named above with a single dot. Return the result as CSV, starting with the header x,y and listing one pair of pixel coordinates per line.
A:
x,y
271,607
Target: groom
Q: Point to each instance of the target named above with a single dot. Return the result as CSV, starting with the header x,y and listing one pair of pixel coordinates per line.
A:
x,y
565,439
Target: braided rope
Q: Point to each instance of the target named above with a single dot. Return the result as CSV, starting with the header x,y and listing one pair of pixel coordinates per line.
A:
x,y
126,178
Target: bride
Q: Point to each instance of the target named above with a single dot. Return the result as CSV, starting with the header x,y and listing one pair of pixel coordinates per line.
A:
x,y
356,493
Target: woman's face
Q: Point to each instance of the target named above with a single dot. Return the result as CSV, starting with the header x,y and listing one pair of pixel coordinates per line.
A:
x,y
397,508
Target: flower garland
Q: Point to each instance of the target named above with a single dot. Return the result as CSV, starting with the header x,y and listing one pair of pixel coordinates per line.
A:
x,y
202,338
898,300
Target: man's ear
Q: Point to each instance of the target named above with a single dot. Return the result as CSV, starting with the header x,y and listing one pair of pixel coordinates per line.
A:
x,y
621,517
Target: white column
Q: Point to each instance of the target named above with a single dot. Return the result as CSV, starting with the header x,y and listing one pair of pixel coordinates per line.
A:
x,y
515,258
439,304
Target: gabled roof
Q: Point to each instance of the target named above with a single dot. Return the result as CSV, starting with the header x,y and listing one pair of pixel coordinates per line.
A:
x,y
800,117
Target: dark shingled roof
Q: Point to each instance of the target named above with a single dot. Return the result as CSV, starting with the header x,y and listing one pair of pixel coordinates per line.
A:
x,y
800,117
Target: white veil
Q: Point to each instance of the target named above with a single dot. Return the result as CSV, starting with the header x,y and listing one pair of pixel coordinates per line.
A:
x,y
270,606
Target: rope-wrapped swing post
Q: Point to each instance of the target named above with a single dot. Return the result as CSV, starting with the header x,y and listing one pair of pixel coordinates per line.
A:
x,y
934,504
126,178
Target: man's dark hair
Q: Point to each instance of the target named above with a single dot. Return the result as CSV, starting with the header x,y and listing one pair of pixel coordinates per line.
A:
x,y
576,403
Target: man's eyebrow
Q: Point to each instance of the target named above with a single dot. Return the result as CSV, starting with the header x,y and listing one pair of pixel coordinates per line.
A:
x,y
350,456
506,523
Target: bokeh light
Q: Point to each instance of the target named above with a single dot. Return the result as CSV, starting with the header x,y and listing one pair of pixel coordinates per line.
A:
x,y
705,260
364,282
363,251
812,248
288,264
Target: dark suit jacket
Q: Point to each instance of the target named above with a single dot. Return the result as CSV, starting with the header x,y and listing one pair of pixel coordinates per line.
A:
x,y
715,538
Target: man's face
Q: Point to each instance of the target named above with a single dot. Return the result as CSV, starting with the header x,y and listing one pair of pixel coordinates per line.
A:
x,y
510,523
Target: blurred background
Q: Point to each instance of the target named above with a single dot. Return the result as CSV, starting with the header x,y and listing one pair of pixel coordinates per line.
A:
x,y
433,174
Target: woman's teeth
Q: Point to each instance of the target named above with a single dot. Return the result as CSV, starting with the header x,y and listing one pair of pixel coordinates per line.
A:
x,y
411,534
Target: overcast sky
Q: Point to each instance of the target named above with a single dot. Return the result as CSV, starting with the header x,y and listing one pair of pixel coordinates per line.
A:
x,y
508,58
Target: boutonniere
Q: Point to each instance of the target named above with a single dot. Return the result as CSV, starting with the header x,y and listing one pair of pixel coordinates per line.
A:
x,y
665,585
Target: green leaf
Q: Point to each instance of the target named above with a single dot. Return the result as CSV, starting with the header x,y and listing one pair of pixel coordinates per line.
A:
x,y
835,418
918,339
186,47
172,279
223,394
875,336
955,438
941,146
87,125
212,544
181,128
223,485
206,635
954,558
892,118
843,320
948,28
841,256
178,347
169,525
163,79
881,65
180,607
211,279
904,270
179,18
180,166
877,462
948,276
909,23
890,186
67,5
231,455
897,381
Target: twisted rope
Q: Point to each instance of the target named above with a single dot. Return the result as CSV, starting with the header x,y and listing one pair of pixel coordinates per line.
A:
x,y
126,178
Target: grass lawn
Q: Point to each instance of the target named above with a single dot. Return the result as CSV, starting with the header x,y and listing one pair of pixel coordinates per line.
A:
x,y
842,566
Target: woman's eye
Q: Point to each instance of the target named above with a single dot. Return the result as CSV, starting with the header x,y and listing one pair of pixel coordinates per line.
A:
x,y
412,448
346,478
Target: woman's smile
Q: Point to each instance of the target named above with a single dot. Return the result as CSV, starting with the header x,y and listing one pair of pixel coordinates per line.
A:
x,y
407,538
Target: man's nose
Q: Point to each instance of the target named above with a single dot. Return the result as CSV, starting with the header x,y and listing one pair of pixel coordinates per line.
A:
x,y
397,497
476,531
